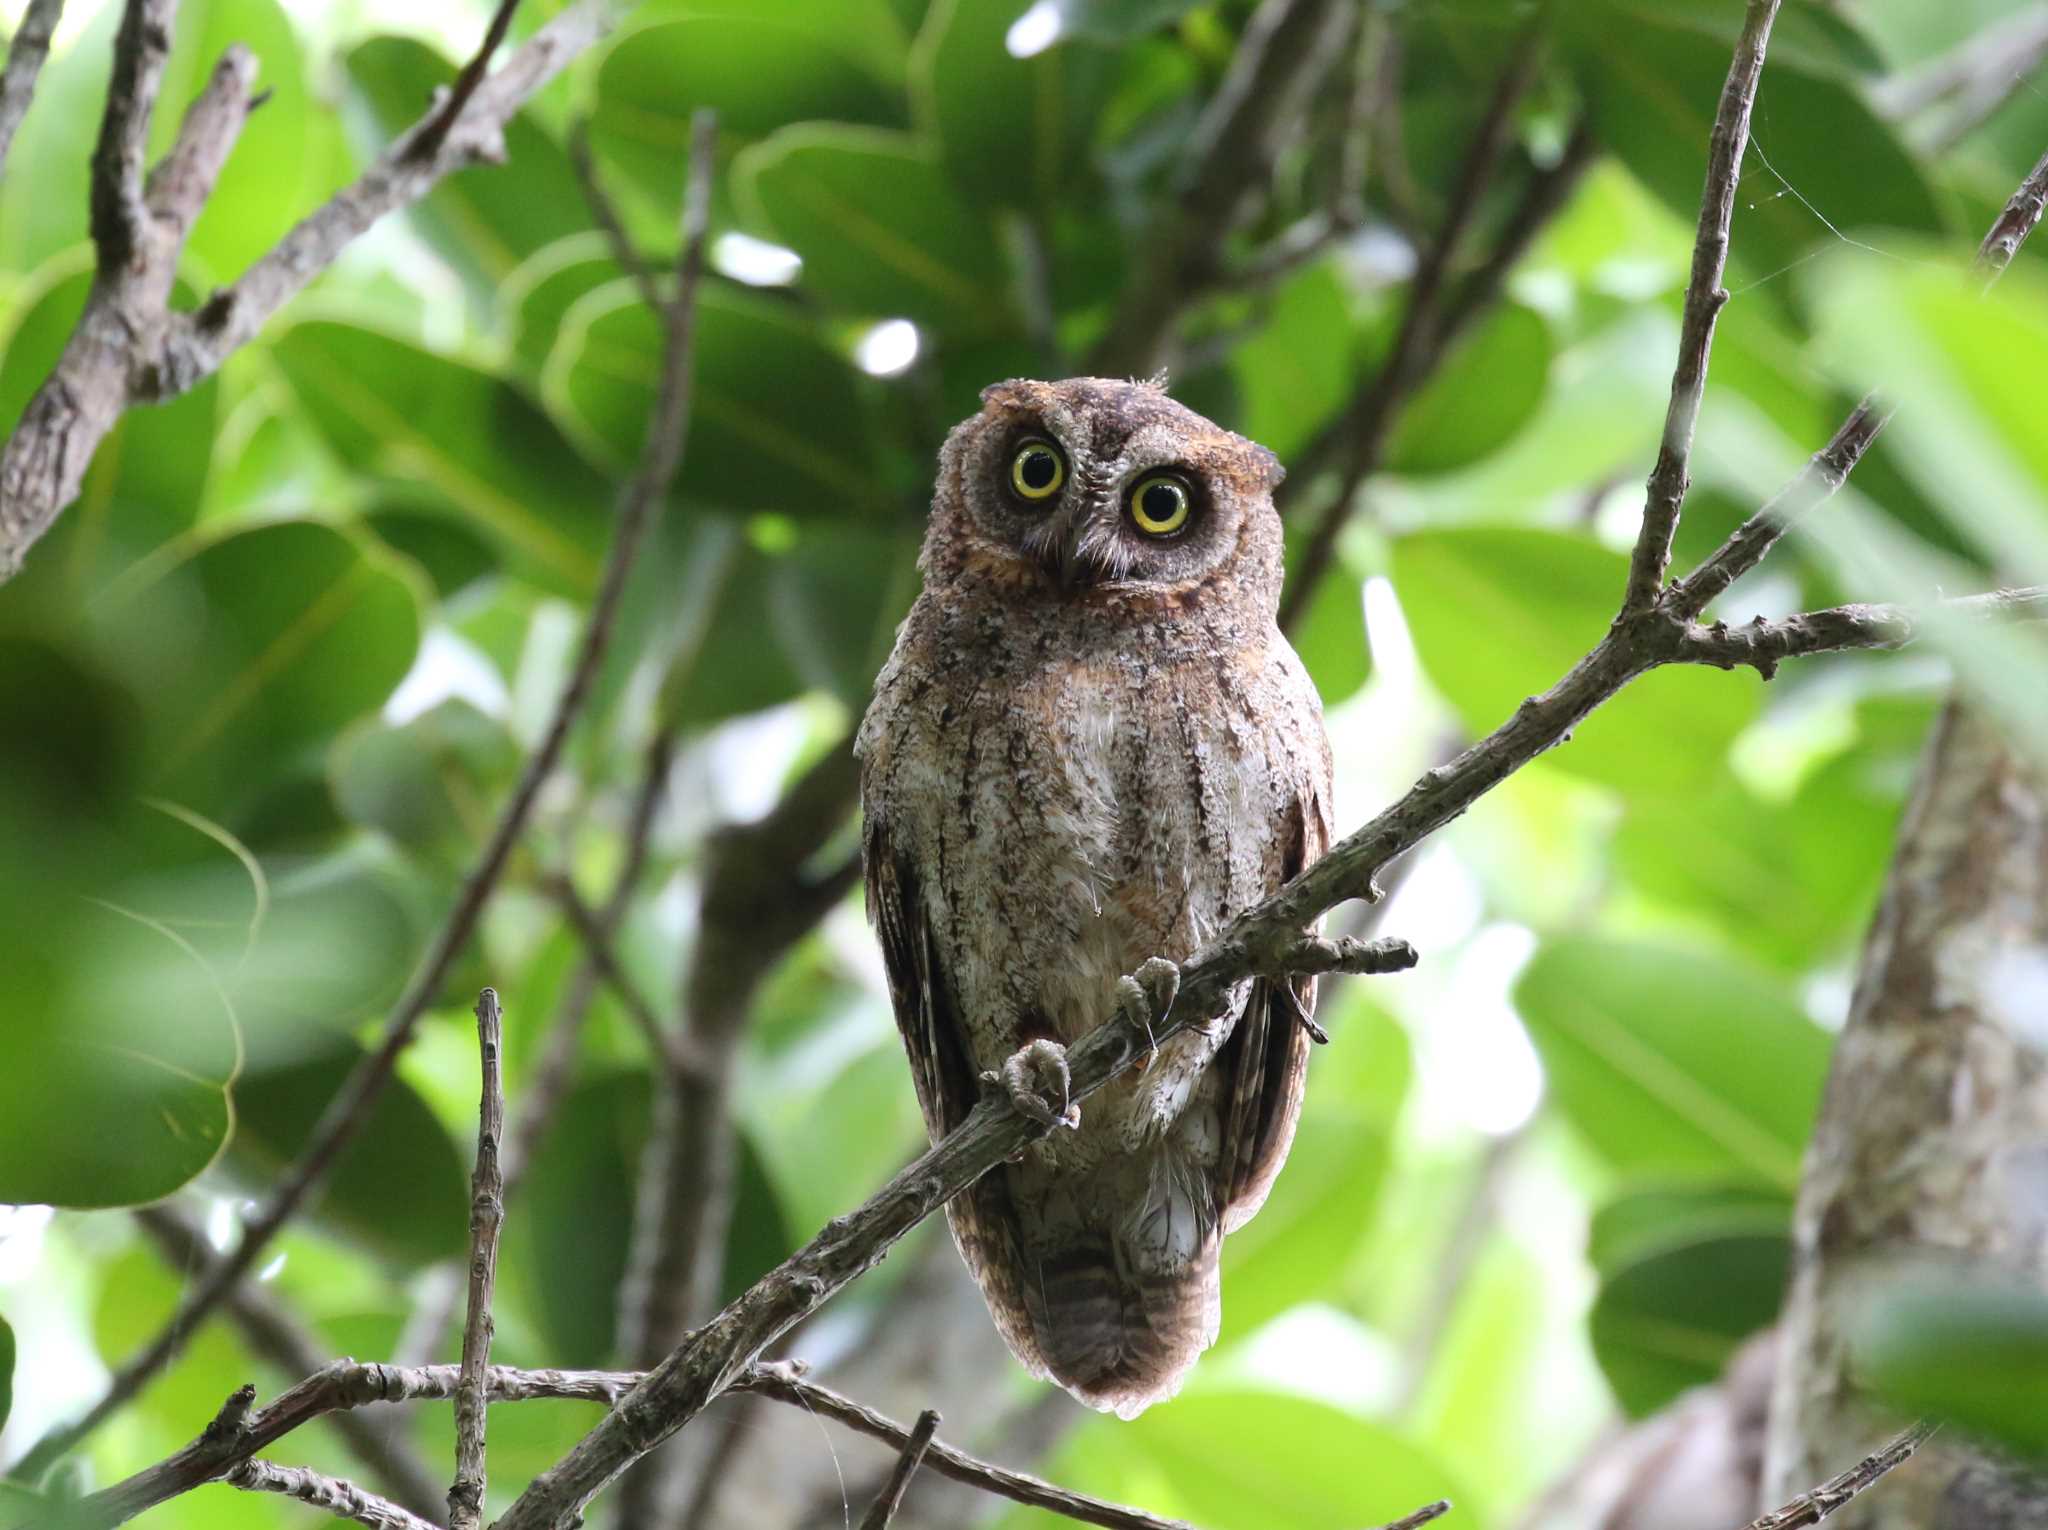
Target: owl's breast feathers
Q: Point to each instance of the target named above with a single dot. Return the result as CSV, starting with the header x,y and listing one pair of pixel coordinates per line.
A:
x,y
1046,806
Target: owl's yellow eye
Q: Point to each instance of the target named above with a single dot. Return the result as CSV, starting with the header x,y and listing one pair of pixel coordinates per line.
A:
x,y
1038,470
1160,505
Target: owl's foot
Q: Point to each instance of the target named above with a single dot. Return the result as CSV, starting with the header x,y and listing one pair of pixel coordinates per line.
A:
x,y
1147,996
1036,1080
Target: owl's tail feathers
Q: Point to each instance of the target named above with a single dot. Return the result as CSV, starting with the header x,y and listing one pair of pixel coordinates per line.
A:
x,y
1122,1338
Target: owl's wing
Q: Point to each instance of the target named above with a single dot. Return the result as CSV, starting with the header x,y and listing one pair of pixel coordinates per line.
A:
x,y
921,992
1266,1057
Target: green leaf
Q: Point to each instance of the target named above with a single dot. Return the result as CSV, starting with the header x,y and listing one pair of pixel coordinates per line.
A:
x,y
776,420
878,225
401,1189
1241,1459
1652,1219
488,218
255,645
406,416
1674,1061
1296,370
432,784
1485,391
1670,1320
758,71
1963,1348
534,301
973,97
1501,613
1117,20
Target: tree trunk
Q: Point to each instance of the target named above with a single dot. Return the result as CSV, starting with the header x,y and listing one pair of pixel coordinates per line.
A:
x,y
1931,1138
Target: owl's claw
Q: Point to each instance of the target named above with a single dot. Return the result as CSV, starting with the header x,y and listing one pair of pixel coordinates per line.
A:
x,y
1148,994
1036,1080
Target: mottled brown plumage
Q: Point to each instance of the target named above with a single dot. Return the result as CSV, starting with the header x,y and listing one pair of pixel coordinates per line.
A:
x,y
1092,746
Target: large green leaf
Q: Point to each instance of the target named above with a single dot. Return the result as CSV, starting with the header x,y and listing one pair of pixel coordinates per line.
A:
x,y
400,1188
1330,637
776,420
1501,613
1963,1348
1654,1218
490,217
1487,389
758,70
255,645
1011,131
1674,1061
1297,369
432,784
1669,1321
879,226
395,412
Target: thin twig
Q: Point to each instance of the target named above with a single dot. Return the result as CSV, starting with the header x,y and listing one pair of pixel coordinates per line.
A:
x,y
890,1499
429,139
1420,1517
605,212
1763,645
141,48
1367,422
1704,296
350,1107
338,1497
2009,231
486,1221
1812,1507
275,1334
1970,82
25,55
666,1045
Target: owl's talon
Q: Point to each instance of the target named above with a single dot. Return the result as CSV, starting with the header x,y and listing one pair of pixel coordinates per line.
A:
x,y
1148,993
1035,1075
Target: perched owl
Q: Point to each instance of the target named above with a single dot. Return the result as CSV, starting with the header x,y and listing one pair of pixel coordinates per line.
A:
x,y
1090,747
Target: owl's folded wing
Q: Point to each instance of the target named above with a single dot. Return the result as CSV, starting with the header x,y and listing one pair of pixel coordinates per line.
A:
x,y
918,987
1266,1057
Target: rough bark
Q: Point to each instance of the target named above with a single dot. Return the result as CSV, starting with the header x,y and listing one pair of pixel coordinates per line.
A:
x,y
1930,1141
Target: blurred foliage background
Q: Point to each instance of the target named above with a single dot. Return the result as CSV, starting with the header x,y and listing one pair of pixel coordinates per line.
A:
x,y
264,687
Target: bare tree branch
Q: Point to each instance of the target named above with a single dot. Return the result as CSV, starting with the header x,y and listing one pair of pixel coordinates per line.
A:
x,y
275,1334
2022,213
1762,645
1421,1517
486,1220
1966,85
1704,296
129,347
342,1499
890,1499
1812,1507
25,55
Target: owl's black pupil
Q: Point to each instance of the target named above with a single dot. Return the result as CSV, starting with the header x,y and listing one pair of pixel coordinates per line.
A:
x,y
1161,501
1038,469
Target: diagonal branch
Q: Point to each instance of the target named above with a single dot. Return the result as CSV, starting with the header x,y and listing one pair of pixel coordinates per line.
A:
x,y
427,142
1704,296
1810,1508
141,48
274,1333
340,1498
890,1499
486,1221
25,55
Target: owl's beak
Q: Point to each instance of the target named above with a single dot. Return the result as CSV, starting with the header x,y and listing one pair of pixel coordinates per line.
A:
x,y
1079,559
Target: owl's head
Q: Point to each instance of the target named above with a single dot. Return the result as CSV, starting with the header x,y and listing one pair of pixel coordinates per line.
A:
x,y
1090,485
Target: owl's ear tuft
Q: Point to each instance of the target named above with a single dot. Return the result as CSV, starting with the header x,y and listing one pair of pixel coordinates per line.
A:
x,y
1270,466
1013,393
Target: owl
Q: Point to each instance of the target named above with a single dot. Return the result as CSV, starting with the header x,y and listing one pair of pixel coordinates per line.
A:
x,y
1092,747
